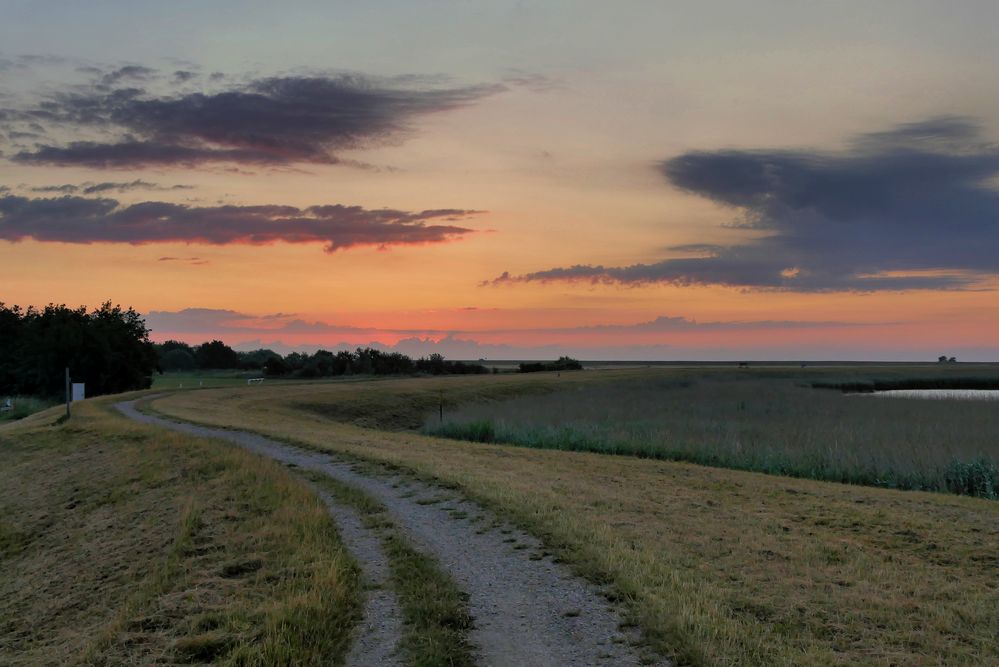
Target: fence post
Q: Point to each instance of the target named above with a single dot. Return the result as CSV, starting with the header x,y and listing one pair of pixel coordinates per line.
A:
x,y
69,396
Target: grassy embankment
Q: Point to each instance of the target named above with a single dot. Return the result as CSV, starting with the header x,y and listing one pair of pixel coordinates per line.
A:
x,y
120,543
715,566
764,421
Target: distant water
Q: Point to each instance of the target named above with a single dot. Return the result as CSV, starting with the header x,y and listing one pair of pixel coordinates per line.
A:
x,y
943,394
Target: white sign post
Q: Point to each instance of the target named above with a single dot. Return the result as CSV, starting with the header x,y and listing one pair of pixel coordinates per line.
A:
x,y
79,391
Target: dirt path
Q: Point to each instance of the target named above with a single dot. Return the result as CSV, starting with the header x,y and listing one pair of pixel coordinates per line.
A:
x,y
377,639
528,610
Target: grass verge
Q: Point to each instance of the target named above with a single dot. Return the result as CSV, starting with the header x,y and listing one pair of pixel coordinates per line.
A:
x,y
122,543
715,566
435,610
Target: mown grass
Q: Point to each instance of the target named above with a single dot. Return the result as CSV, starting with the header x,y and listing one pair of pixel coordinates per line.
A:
x,y
121,543
754,422
434,609
715,566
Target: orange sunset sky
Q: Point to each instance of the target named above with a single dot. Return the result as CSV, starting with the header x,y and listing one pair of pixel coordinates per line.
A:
x,y
633,180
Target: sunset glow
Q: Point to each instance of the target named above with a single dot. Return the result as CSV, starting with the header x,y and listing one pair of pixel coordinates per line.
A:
x,y
511,180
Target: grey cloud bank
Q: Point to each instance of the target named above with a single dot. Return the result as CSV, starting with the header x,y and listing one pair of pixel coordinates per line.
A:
x,y
72,219
908,208
275,120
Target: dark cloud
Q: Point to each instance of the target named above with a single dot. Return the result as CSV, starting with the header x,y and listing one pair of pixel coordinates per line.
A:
x,y
275,120
197,261
138,184
20,134
194,320
905,209
66,188
109,186
73,219
127,73
131,154
182,75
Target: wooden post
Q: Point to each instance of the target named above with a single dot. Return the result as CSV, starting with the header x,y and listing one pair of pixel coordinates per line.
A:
x,y
69,396
442,406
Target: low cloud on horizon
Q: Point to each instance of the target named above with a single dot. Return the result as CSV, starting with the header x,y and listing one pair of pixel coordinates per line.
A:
x,y
220,320
673,338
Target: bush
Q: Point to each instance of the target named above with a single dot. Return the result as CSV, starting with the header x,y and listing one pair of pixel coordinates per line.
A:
x,y
178,360
561,364
216,355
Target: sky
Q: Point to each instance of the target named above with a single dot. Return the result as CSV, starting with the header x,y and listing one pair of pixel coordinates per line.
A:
x,y
511,180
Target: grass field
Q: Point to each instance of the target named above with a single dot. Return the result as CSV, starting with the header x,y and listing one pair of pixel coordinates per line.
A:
x,y
200,379
122,544
765,421
715,566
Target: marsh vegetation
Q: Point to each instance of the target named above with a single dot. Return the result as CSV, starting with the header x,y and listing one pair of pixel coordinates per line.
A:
x,y
762,422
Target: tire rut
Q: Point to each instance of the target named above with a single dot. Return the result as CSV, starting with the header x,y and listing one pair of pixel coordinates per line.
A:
x,y
528,610
376,639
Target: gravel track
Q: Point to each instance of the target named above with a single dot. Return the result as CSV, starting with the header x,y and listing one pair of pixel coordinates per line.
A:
x,y
528,610
376,640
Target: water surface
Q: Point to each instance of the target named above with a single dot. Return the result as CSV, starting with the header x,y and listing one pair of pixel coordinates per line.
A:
x,y
942,394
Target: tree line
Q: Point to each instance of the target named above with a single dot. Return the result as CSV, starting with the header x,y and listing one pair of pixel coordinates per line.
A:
x,y
178,356
108,348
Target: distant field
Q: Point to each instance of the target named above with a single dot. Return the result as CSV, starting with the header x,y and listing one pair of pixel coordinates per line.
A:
x,y
716,566
198,379
765,420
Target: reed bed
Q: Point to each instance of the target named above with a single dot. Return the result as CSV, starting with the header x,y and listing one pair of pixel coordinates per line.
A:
x,y
775,425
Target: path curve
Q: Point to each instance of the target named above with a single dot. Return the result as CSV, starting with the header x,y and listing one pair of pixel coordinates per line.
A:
x,y
528,610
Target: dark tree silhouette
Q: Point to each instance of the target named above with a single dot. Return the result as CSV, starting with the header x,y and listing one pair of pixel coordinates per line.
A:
x,y
216,354
107,348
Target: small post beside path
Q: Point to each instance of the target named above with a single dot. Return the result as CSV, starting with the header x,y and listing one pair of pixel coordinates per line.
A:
x,y
69,397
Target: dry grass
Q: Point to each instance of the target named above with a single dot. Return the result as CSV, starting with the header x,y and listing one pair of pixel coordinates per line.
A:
x,y
122,544
716,566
